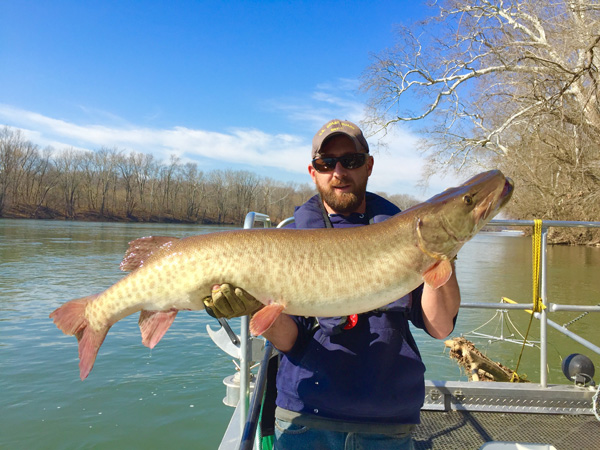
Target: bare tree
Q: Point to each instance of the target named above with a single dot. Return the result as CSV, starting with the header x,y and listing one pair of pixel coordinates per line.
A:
x,y
127,168
16,154
69,164
497,80
146,181
99,172
41,178
243,187
402,201
218,193
168,184
193,191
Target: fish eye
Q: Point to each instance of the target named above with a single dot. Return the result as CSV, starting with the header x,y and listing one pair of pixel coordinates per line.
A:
x,y
468,200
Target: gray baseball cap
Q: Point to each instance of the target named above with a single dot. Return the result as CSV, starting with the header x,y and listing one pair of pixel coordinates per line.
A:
x,y
334,127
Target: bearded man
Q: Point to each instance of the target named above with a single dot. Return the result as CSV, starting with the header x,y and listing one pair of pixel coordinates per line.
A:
x,y
358,381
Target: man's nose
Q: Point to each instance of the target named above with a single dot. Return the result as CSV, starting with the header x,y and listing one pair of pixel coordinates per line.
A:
x,y
339,170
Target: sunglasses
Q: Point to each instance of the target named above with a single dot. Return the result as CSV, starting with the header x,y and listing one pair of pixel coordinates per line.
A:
x,y
350,161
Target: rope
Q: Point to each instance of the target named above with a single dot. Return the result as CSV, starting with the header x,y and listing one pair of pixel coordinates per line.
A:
x,y
509,326
517,330
481,326
536,257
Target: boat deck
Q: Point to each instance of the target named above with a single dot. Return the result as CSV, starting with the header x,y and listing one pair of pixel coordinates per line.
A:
x,y
466,415
466,430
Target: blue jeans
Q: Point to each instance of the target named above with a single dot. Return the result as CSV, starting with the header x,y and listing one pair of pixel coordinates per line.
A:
x,y
289,436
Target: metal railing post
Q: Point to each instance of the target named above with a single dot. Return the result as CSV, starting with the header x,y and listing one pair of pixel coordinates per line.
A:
x,y
544,313
245,341
244,371
249,434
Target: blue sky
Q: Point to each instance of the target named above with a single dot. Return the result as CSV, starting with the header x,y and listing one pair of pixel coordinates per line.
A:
x,y
237,84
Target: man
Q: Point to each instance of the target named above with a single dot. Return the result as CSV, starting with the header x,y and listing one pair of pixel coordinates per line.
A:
x,y
358,381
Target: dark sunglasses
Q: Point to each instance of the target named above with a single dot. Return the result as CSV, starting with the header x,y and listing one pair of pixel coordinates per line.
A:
x,y
350,161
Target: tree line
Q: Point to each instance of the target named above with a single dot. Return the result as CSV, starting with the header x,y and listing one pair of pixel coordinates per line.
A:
x,y
113,184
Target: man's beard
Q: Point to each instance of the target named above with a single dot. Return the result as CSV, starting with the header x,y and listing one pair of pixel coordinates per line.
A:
x,y
345,203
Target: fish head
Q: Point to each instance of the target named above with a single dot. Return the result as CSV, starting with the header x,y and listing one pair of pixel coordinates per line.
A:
x,y
448,220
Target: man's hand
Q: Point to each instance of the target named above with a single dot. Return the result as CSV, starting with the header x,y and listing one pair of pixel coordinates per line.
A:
x,y
227,301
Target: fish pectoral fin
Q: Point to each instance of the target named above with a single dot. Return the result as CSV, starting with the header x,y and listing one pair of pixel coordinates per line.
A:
x,y
264,318
154,325
143,248
438,274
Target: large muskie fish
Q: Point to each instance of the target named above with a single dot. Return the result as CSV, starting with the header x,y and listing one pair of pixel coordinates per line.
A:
x,y
317,272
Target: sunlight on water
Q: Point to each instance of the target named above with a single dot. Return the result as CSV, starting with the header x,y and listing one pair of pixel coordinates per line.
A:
x,y
172,396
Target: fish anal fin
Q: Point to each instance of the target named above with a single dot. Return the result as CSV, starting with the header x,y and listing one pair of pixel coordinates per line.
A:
x,y
70,319
438,274
140,250
154,325
264,318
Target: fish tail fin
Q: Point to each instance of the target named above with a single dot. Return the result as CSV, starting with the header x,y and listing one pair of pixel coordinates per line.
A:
x,y
264,318
154,325
70,319
90,341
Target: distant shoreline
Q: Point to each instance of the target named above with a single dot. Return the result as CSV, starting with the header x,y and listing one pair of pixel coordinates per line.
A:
x,y
47,214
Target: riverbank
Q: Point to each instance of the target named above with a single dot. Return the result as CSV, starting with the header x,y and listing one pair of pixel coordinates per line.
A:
x,y
45,213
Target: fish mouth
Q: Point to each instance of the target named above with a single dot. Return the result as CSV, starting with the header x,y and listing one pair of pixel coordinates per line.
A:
x,y
509,187
492,204
482,212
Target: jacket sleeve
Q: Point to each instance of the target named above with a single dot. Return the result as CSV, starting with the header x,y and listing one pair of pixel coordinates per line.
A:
x,y
415,312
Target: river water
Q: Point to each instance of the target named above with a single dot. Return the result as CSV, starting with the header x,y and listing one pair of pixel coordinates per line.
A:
x,y
171,396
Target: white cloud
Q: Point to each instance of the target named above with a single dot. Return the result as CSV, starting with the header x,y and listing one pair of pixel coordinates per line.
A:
x,y
328,101
244,146
398,165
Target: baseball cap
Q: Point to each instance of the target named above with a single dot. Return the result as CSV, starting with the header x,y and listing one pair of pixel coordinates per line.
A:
x,y
334,127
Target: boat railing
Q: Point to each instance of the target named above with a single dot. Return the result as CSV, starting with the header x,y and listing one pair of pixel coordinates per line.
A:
x,y
547,307
247,420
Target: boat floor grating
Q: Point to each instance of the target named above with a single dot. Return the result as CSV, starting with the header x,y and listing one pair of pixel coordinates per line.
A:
x,y
466,430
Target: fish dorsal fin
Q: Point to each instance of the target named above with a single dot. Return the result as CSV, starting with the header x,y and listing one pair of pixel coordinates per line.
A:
x,y
140,250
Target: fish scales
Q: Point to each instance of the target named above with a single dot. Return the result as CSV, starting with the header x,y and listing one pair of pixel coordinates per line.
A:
x,y
301,269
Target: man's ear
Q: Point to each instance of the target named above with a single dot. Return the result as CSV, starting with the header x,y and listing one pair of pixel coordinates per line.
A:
x,y
370,163
312,172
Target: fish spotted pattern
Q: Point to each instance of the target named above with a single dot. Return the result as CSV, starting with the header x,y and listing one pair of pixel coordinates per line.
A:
x,y
317,272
